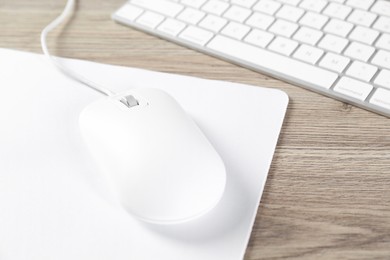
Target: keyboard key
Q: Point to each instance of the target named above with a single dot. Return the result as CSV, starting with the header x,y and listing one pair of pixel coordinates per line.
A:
x,y
237,13
283,28
360,70
283,45
259,38
308,53
338,1
381,98
308,35
359,51
164,7
315,6
290,13
334,62
193,3
215,7
267,6
235,30
382,59
190,15
364,35
273,63
150,19
338,27
260,21
171,27
290,2
129,12
244,3
333,43
383,78
381,7
362,18
361,4
213,23
353,88
384,42
382,24
196,35
316,21
337,11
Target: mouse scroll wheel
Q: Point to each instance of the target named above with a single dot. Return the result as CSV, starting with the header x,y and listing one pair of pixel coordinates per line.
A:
x,y
129,101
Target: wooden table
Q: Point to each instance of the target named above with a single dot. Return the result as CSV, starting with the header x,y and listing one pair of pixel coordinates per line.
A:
x,y
328,192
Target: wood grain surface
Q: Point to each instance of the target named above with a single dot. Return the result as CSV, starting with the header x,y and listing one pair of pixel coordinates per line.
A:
x,y
328,192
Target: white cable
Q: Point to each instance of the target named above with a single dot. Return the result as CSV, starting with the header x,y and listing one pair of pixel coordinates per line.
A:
x,y
68,10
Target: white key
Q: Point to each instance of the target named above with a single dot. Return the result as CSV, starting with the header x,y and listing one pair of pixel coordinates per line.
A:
x,y
237,13
381,7
283,28
383,78
314,5
259,38
150,19
384,42
362,18
337,11
244,3
290,13
190,15
215,7
235,30
196,35
308,53
164,7
308,35
193,3
290,2
363,34
313,20
353,88
267,6
213,23
382,59
381,98
338,27
334,62
361,4
171,27
360,70
273,63
283,45
129,12
359,51
333,43
260,21
382,24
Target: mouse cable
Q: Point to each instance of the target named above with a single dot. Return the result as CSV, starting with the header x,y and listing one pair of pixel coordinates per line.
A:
x,y
68,10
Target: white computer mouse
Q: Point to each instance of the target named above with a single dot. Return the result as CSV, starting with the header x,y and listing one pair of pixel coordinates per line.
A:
x,y
163,167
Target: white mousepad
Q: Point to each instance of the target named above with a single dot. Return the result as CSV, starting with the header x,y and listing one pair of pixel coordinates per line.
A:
x,y
55,205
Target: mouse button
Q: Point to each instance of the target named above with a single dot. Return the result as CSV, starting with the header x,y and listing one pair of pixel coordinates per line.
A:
x,y
148,96
130,104
133,98
129,101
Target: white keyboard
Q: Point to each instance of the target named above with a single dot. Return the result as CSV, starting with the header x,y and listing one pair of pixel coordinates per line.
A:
x,y
338,48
